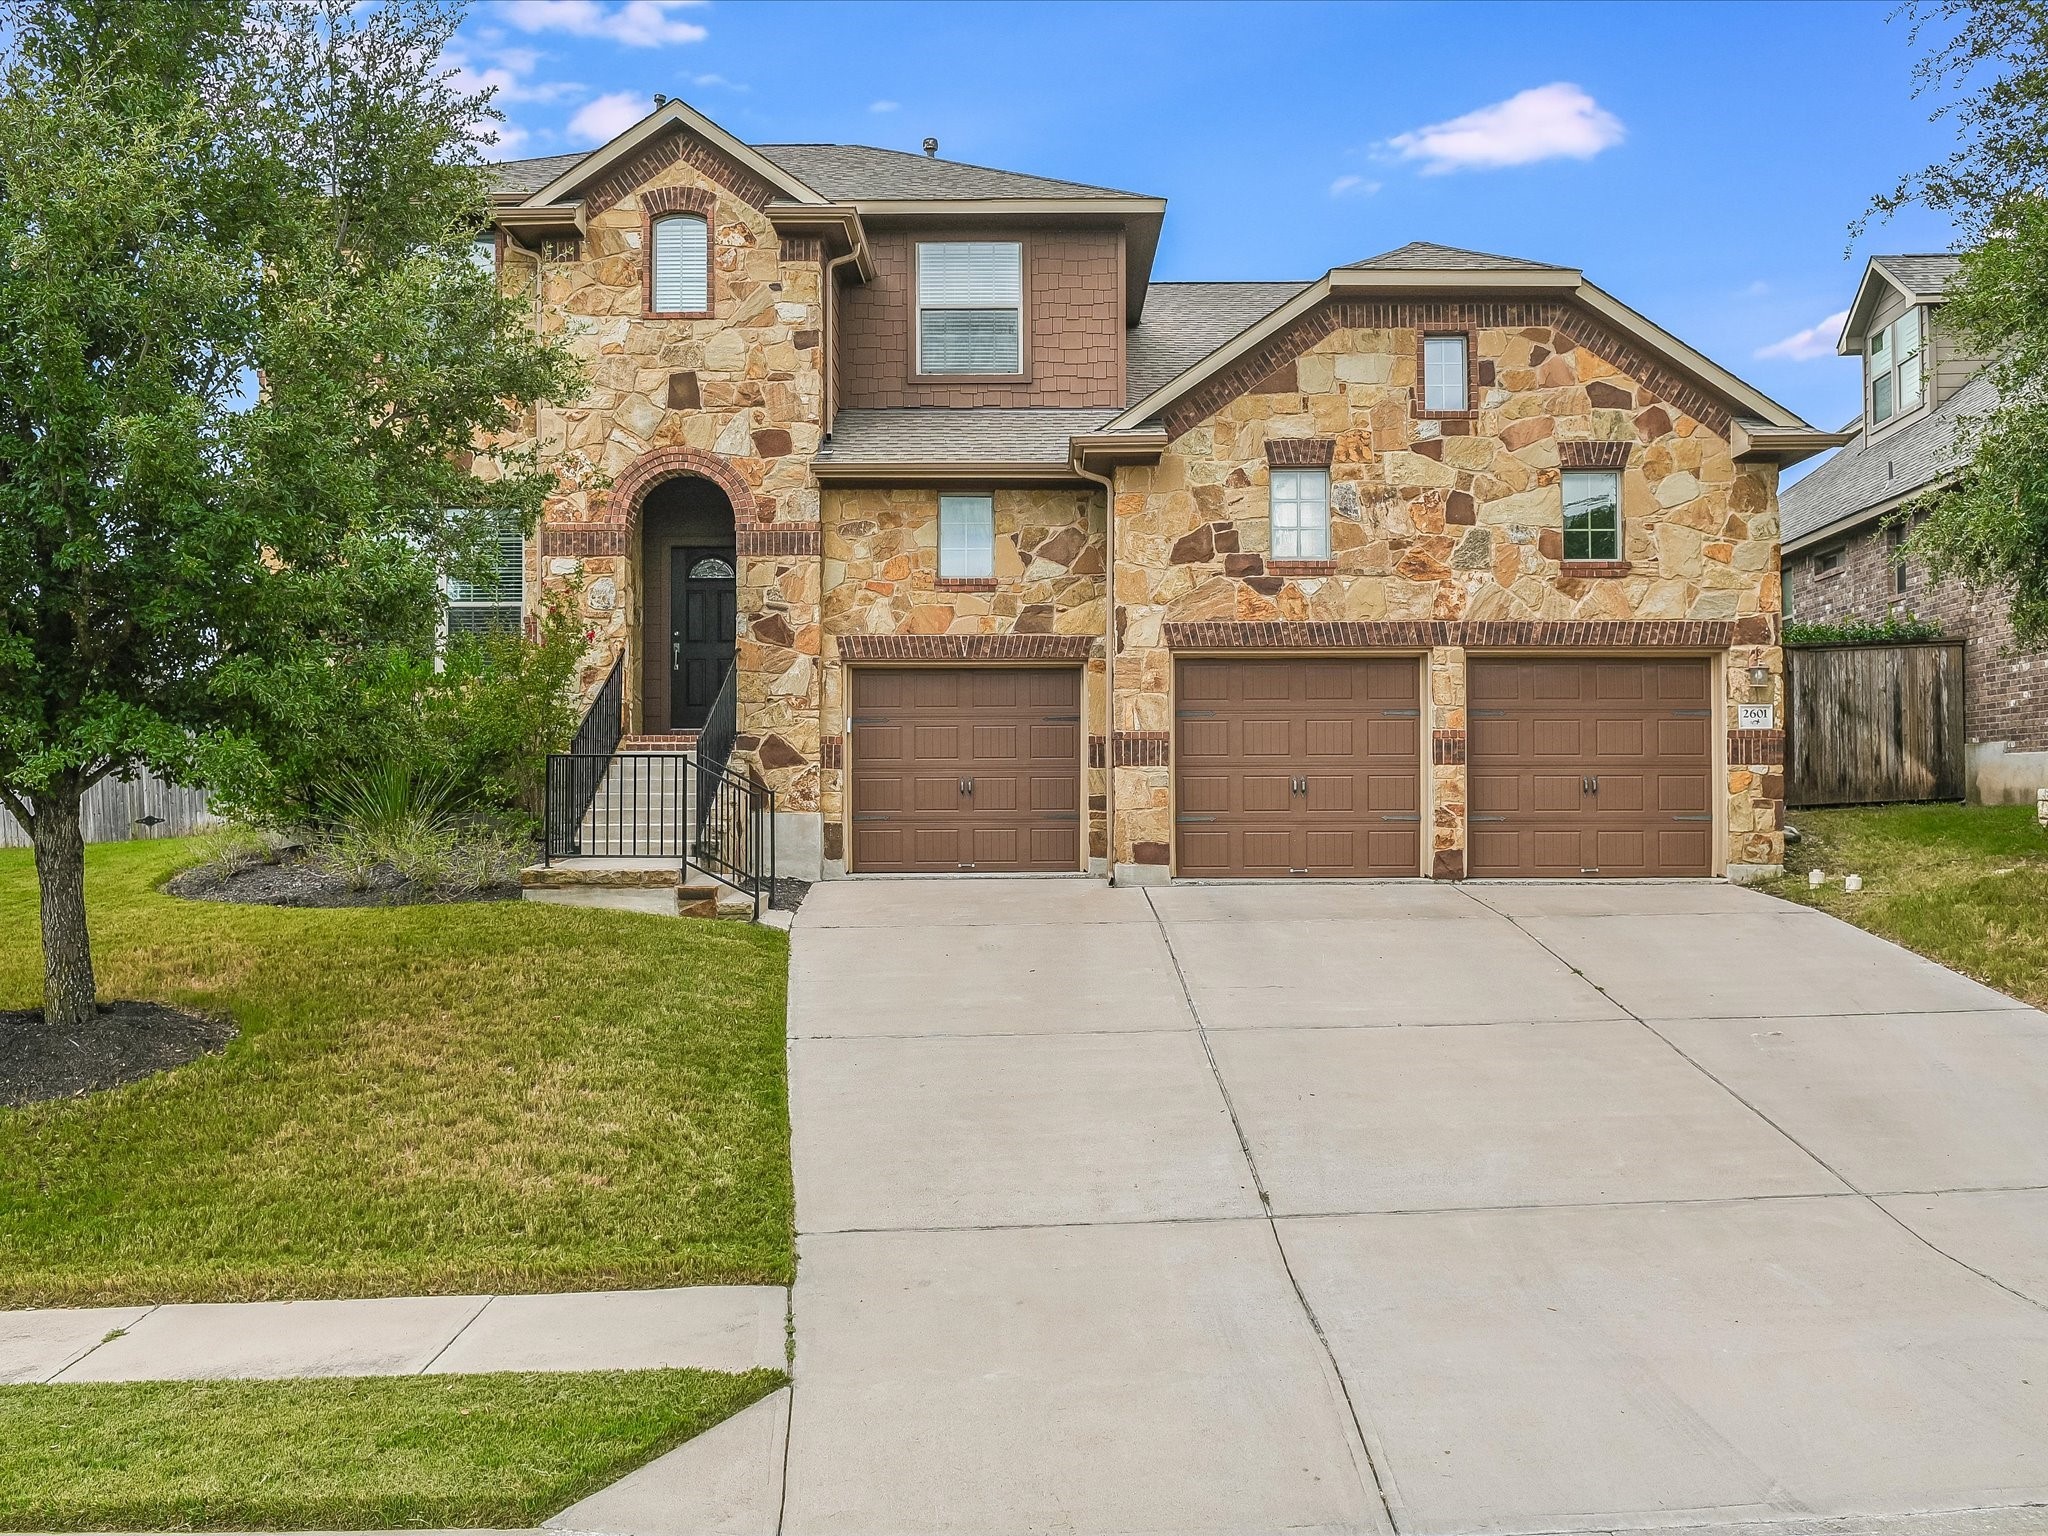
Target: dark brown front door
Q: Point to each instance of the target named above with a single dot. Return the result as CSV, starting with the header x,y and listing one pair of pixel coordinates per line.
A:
x,y
1589,767
702,614
966,768
1299,767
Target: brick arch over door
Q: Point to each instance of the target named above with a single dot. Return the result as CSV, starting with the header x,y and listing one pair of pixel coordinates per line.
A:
x,y
622,502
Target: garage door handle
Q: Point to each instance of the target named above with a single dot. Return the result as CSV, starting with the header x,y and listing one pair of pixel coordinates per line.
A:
x,y
1487,714
869,720
1194,818
1693,714
1401,714
1486,818
1410,816
1589,786
1706,816
967,786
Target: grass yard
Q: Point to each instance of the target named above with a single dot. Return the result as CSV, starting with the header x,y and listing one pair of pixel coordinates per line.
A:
x,y
341,1454
1965,885
463,1098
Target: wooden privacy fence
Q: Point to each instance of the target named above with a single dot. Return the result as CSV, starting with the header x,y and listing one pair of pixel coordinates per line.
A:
x,y
117,810
1871,723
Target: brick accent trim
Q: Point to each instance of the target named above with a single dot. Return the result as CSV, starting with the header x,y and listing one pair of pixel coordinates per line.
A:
x,y
1143,749
1578,455
1427,634
1097,750
965,647
1756,748
1300,452
831,751
669,149
802,248
1446,747
1595,569
679,200
1579,325
582,540
1301,568
621,504
964,583
788,539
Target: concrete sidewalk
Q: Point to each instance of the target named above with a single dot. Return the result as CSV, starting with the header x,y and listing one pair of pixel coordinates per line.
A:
x,y
708,1327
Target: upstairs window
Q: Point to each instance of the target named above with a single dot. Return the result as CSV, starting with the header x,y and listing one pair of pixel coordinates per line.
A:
x,y
970,308
483,251
1301,514
680,265
967,538
1446,375
1592,514
1827,562
477,608
1896,381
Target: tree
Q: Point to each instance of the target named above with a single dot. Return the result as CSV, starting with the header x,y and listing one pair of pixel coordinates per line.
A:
x,y
1991,527
249,373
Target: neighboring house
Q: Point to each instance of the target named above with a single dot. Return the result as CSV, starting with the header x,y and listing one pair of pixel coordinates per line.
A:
x,y
1842,544
1441,564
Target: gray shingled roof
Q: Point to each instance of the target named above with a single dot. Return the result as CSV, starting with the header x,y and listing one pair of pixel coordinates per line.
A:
x,y
1926,276
1870,473
1185,322
526,177
1423,256
863,173
941,435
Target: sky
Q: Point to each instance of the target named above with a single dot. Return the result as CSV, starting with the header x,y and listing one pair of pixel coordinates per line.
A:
x,y
1701,162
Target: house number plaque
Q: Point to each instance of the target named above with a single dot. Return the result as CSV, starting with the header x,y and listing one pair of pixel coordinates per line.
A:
x,y
1757,717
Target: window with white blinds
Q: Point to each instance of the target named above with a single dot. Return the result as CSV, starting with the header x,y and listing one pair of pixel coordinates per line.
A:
x,y
970,307
967,537
682,264
476,608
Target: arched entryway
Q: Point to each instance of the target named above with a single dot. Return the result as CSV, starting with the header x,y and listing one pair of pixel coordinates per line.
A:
x,y
689,596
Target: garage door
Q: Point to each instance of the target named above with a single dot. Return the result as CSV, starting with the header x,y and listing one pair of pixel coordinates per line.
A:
x,y
966,768
1299,767
1589,767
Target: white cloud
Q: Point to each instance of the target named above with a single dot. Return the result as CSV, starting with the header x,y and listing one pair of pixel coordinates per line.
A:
x,y
608,116
884,106
1353,186
1804,346
1546,122
635,24
1756,290
708,82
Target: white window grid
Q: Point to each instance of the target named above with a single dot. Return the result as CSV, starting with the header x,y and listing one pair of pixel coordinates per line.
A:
x,y
967,537
1300,502
1446,374
1592,514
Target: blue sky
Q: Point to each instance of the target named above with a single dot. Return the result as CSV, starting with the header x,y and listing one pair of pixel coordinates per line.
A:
x,y
1699,161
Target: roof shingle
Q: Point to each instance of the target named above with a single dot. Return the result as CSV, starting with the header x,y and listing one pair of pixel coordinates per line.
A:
x,y
864,173
1185,322
1926,277
942,435
1867,474
1424,256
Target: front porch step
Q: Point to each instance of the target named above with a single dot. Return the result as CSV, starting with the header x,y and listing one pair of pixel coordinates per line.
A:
x,y
657,886
669,741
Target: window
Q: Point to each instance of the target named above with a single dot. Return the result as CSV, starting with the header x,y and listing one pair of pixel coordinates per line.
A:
x,y
681,265
1895,552
1827,562
481,608
970,307
1592,514
1301,514
967,538
1897,383
1445,374
484,252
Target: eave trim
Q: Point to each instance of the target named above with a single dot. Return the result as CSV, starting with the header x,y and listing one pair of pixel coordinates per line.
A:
x,y
673,114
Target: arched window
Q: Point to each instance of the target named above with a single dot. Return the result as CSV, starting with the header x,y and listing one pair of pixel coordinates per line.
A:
x,y
681,265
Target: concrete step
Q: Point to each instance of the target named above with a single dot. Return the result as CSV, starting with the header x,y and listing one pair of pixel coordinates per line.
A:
x,y
660,886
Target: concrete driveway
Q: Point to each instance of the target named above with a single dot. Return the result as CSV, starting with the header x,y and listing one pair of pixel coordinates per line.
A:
x,y
1412,1208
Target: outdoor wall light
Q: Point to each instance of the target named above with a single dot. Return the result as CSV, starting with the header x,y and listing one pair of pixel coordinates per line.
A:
x,y
1759,677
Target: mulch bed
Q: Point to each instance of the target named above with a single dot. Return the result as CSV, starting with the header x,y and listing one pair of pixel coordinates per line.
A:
x,y
122,1043
299,882
788,893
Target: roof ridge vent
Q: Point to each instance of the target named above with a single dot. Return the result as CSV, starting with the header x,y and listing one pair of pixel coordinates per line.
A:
x,y
931,148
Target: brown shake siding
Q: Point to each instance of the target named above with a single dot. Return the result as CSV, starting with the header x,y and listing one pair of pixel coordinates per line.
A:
x,y
1074,342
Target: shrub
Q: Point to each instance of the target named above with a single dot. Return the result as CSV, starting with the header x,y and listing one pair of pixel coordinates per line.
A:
x,y
1892,629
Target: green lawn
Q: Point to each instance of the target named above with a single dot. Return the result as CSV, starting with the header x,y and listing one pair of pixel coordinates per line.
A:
x,y
341,1454
480,1097
1965,885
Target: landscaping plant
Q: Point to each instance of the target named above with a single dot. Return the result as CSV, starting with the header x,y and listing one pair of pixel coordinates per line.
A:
x,y
1892,629
248,371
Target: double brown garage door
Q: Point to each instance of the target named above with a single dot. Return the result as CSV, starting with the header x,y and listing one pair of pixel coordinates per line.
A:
x,y
1315,767
966,769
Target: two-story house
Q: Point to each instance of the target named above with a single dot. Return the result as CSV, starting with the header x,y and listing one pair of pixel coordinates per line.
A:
x,y
1842,536
1441,564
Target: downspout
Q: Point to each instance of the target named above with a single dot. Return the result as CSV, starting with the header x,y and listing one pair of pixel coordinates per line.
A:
x,y
830,299
1108,484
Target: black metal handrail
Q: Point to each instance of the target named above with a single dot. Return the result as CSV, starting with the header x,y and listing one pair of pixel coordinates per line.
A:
x,y
572,787
625,805
716,737
735,842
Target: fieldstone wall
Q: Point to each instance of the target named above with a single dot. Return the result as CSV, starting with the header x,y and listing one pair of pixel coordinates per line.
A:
x,y
1452,520
881,578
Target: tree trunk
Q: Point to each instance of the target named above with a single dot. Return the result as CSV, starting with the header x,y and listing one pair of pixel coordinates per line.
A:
x,y
68,991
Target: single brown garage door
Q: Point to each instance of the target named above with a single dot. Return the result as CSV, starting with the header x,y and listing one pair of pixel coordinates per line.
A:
x,y
966,768
1589,767
1297,767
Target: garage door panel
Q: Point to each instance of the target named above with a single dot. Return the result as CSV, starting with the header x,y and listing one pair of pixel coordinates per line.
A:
x,y
1203,739
1556,738
1384,792
1488,791
1331,792
1265,792
1621,792
1490,737
1557,682
1204,852
1204,792
1618,740
1678,846
1053,792
929,792
1329,738
1266,737
1271,851
1555,852
1678,793
1555,792
1392,738
1680,683
1330,852
1682,739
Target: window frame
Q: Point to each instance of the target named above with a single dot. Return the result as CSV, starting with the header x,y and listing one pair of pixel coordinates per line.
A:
x,y
1894,372
495,239
917,309
508,538
956,578
1619,531
648,226
1297,474
1827,562
1423,409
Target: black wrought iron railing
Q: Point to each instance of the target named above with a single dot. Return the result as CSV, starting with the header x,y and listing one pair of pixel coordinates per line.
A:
x,y
574,777
716,737
626,805
735,840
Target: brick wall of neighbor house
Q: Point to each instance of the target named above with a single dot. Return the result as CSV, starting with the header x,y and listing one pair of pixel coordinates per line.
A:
x,y
1446,535
1074,301
881,579
734,398
2005,692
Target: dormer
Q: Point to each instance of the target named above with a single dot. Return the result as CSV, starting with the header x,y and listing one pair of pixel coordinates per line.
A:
x,y
1910,365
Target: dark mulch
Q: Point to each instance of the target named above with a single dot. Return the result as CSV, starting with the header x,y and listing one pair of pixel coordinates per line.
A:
x,y
788,894
299,882
123,1043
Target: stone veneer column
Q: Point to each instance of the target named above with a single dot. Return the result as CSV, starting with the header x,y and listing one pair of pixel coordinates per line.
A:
x,y
1447,762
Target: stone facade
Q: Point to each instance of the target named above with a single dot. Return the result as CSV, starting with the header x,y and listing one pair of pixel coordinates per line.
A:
x,y
1453,521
